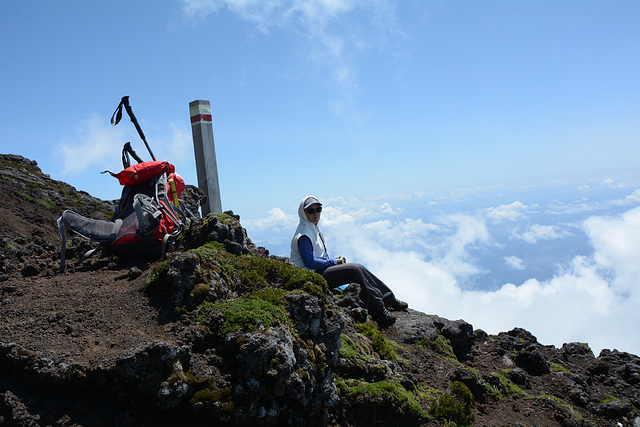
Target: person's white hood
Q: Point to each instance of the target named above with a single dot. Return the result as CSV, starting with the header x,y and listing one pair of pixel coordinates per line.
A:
x,y
312,231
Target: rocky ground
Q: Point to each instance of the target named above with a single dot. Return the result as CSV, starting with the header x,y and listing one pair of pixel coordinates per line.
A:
x,y
142,342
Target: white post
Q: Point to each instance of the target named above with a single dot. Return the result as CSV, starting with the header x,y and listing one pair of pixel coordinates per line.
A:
x,y
205,152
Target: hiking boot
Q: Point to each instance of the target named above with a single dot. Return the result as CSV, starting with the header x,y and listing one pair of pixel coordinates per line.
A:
x,y
397,305
384,318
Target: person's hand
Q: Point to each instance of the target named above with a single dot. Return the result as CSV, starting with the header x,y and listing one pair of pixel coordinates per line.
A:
x,y
341,260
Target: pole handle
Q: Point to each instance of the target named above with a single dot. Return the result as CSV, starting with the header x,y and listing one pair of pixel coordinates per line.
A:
x,y
117,116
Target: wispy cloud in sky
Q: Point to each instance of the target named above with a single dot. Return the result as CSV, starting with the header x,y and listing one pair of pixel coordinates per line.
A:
x,y
514,262
509,212
537,232
336,33
94,141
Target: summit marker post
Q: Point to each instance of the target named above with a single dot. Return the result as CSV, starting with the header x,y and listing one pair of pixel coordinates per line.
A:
x,y
205,152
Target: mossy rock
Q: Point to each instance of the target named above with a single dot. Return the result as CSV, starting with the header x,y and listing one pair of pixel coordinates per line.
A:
x,y
383,402
454,406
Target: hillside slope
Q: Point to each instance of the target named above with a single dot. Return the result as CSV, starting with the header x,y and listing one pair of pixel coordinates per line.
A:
x,y
221,333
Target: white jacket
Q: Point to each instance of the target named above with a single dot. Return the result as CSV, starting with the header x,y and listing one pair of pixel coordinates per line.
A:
x,y
312,231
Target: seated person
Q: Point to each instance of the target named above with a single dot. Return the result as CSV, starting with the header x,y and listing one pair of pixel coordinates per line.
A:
x,y
308,250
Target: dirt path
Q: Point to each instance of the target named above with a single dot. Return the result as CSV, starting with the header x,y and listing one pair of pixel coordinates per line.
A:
x,y
83,318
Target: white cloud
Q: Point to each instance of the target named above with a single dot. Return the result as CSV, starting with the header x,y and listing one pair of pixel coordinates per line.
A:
x,y
406,234
537,232
277,221
311,20
575,207
631,199
509,212
514,262
95,142
194,9
444,243
335,32
386,208
274,231
268,14
178,147
585,204
617,248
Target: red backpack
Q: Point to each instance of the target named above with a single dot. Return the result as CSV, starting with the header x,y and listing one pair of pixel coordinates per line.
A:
x,y
148,218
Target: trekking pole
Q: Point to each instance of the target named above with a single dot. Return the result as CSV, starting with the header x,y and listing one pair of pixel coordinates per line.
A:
x,y
118,115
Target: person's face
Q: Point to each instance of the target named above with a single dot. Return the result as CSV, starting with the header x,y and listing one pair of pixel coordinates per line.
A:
x,y
313,213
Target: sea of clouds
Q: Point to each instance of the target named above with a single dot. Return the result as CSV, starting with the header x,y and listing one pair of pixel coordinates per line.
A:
x,y
561,261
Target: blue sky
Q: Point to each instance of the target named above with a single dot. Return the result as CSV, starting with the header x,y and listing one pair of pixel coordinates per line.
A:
x,y
482,157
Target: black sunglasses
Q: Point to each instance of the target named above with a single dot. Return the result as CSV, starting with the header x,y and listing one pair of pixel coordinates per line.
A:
x,y
311,211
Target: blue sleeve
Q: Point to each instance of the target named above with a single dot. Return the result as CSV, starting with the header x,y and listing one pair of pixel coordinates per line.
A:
x,y
306,253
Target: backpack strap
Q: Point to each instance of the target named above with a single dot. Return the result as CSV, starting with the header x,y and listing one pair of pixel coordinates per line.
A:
x,y
163,250
168,240
126,150
64,244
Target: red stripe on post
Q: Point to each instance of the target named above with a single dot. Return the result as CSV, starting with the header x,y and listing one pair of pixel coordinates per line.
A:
x,y
201,117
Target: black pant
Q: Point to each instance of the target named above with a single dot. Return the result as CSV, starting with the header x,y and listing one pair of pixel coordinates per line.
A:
x,y
373,292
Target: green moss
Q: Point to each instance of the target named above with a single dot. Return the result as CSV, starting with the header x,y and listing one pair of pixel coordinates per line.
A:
x,y
271,295
381,345
250,272
440,345
46,204
304,375
586,346
226,219
158,271
23,194
425,393
357,349
348,348
317,289
506,386
208,394
454,406
245,313
561,404
247,273
559,367
610,398
200,291
383,394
